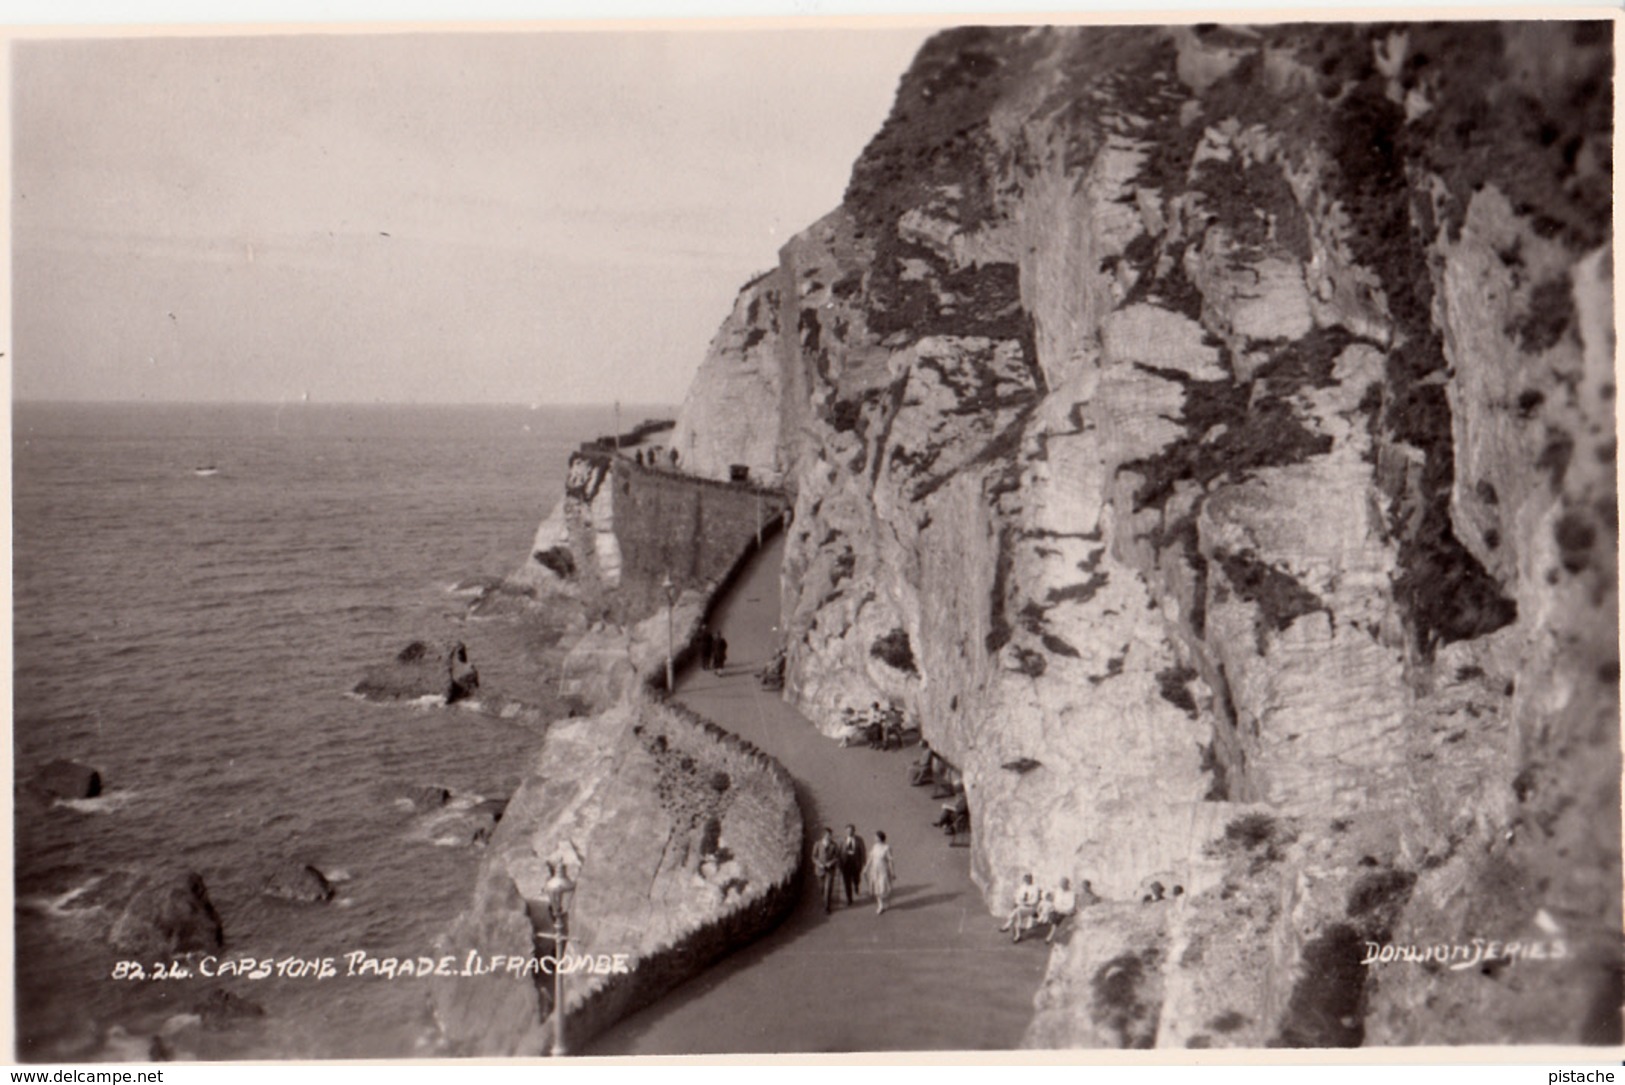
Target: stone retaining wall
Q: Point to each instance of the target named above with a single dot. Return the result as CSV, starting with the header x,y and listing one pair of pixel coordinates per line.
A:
x,y
602,1000
627,527
598,785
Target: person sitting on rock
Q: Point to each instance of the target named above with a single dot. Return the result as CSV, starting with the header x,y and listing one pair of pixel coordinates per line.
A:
x,y
1025,912
772,675
1059,907
851,728
873,733
891,729
1087,895
920,772
953,813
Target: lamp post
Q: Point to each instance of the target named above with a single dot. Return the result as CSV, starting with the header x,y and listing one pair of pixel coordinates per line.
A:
x,y
560,890
671,631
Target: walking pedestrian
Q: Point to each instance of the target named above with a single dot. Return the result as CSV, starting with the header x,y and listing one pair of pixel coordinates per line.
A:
x,y
882,873
825,858
720,652
854,856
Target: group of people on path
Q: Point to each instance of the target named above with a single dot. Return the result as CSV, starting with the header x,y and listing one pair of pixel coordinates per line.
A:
x,y
855,862
1053,908
652,457
878,728
713,650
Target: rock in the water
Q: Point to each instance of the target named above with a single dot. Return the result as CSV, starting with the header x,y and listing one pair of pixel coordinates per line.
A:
x,y
111,891
491,808
302,884
463,678
219,1009
422,670
484,826
63,779
169,914
428,797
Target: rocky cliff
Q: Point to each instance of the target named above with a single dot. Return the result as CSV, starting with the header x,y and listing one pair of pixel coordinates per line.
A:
x,y
1208,435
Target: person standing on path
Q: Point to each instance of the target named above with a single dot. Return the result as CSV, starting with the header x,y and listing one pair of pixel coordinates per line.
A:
x,y
720,652
707,646
826,857
882,874
854,857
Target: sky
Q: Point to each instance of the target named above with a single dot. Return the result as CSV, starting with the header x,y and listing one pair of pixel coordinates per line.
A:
x,y
559,217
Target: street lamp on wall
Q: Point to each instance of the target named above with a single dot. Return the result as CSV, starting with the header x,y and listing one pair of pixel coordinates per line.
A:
x,y
560,892
671,631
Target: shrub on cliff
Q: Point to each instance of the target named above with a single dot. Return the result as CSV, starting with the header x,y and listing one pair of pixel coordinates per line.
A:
x,y
557,559
895,651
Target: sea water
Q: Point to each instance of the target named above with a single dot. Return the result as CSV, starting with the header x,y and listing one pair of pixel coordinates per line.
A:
x,y
192,634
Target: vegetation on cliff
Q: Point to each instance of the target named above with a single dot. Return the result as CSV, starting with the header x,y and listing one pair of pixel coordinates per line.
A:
x,y
1222,416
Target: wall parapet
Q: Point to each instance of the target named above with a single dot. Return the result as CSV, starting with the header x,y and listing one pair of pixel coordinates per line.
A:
x,y
608,998
688,648
609,457
764,827
633,436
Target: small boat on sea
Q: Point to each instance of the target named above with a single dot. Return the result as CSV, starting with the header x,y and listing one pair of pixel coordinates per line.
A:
x,y
206,471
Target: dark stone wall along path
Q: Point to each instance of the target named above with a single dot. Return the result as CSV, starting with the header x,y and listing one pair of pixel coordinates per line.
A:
x,y
933,973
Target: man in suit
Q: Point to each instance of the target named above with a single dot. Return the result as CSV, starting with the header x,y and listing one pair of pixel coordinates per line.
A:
x,y
853,857
826,857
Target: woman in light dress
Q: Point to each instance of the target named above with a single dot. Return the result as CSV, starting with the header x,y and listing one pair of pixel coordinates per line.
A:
x,y
880,872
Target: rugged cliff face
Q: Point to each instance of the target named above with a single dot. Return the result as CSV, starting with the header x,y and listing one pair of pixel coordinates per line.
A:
x,y
732,414
1208,435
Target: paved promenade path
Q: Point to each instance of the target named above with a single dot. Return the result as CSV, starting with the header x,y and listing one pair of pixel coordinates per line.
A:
x,y
933,973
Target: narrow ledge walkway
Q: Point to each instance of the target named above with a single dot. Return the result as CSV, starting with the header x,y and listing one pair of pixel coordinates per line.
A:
x,y
932,974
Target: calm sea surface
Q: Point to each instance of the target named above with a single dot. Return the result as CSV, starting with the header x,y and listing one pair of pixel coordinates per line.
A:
x,y
193,637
